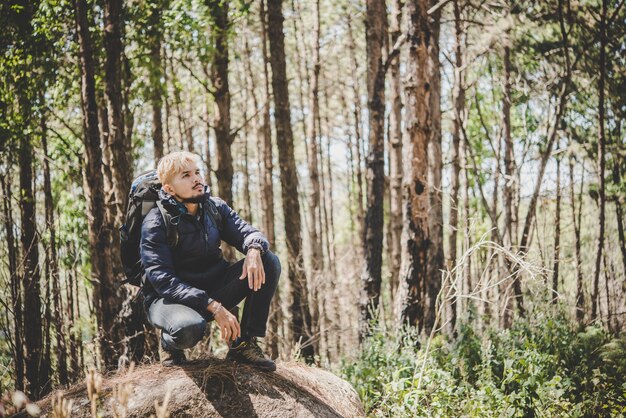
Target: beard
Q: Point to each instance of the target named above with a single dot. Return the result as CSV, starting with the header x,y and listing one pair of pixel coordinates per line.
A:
x,y
193,199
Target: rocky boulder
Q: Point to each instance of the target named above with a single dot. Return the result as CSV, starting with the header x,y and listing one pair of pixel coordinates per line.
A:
x,y
212,388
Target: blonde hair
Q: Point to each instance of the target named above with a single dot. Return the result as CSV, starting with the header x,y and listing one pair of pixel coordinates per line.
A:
x,y
174,163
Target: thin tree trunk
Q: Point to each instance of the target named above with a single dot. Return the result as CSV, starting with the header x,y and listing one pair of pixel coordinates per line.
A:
x,y
350,181
246,211
509,182
619,211
458,99
301,316
325,228
435,168
601,161
168,112
155,40
45,368
15,281
415,236
267,188
608,268
57,314
219,77
557,234
182,124
331,299
33,333
376,27
107,292
208,153
332,257
395,157
358,137
70,314
302,59
120,146
580,295
464,276
314,199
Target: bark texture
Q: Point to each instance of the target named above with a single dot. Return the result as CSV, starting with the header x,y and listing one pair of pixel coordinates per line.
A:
x,y
417,90
375,30
221,113
107,293
299,310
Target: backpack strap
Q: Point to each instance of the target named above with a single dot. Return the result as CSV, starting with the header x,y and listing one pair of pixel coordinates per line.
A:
x,y
171,227
215,214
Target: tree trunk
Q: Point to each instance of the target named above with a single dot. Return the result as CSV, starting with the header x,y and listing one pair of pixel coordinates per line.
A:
x,y
358,137
107,293
580,295
16,283
119,144
619,210
509,158
301,317
246,211
219,77
435,214
395,156
71,316
601,161
33,333
415,238
302,59
267,188
329,202
509,182
330,293
53,268
155,40
376,27
557,234
314,218
45,368
458,98
208,153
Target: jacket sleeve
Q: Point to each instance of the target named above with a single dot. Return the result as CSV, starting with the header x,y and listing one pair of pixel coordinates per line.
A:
x,y
238,232
158,261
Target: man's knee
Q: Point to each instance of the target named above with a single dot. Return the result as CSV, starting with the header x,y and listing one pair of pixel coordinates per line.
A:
x,y
188,333
272,267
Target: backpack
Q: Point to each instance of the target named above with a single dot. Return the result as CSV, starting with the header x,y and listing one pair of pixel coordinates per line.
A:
x,y
143,196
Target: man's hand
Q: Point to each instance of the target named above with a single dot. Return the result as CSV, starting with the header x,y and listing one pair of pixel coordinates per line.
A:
x,y
253,269
229,326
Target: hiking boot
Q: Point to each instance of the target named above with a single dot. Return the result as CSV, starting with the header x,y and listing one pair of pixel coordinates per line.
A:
x,y
173,358
249,352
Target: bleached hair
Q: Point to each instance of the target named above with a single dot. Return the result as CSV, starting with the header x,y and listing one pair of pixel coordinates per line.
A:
x,y
174,163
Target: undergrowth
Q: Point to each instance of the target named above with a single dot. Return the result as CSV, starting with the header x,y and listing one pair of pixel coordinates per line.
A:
x,y
540,367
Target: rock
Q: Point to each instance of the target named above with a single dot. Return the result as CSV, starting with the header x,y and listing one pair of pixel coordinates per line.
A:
x,y
220,388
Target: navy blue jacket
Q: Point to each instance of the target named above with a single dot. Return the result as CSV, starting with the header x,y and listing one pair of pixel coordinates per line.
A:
x,y
184,274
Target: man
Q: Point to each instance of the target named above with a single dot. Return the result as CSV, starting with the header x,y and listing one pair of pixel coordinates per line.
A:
x,y
190,283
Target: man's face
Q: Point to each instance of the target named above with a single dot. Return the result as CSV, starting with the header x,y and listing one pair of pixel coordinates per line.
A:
x,y
186,186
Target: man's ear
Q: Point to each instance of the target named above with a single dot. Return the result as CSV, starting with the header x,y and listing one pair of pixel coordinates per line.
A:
x,y
168,189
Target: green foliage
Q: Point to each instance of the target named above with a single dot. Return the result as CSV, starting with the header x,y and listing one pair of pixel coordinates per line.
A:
x,y
540,367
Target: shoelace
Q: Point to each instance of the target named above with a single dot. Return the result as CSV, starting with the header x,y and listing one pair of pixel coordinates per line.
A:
x,y
255,350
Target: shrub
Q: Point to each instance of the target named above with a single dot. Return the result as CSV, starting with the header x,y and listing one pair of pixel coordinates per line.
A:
x,y
542,366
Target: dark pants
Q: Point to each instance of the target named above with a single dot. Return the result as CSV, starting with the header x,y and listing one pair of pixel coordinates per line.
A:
x,y
182,327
